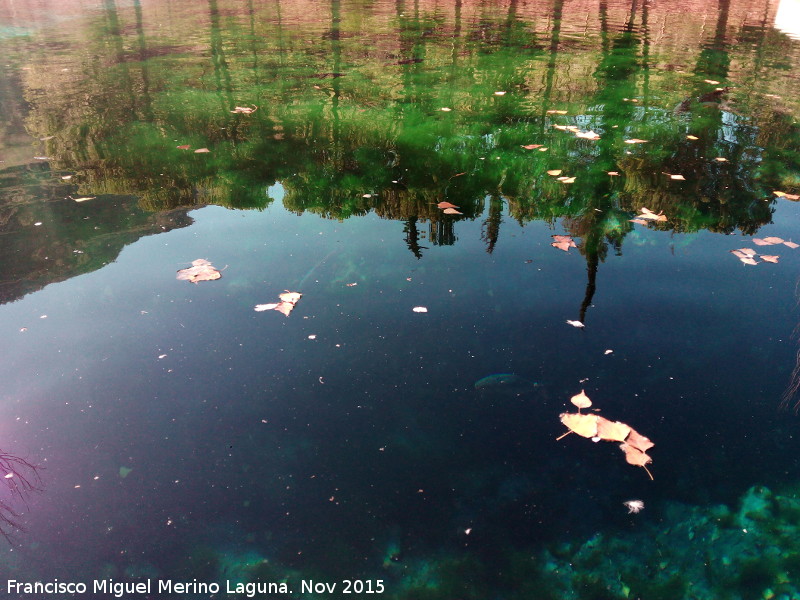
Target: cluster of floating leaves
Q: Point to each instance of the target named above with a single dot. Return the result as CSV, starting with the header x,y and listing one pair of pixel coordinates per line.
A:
x,y
596,428
748,255
286,305
201,270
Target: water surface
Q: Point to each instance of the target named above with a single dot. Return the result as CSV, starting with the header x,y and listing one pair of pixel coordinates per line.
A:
x,y
180,434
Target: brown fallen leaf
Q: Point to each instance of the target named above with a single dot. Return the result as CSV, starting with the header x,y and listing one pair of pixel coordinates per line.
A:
x,y
565,246
638,441
581,400
202,151
451,211
770,259
201,270
446,205
184,147
532,146
773,240
760,242
614,173
636,457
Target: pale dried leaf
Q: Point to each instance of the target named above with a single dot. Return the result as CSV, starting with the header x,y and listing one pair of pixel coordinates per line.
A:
x,y
446,205
554,172
770,259
612,431
583,425
773,240
263,307
451,211
581,400
577,324
791,245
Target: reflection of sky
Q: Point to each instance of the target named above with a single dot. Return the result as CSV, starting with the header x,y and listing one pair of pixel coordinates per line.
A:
x,y
787,18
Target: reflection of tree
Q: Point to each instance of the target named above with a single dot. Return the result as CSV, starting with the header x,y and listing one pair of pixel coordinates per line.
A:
x,y
20,479
331,140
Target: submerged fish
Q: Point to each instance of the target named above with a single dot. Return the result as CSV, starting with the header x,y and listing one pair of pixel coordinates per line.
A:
x,y
504,380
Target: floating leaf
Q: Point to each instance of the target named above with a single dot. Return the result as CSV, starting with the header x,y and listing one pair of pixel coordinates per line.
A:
x,y
721,159
749,261
614,173
451,211
583,425
245,110
678,177
554,172
791,245
773,240
565,246
581,400
745,252
285,306
263,307
639,221
446,205
634,456
651,216
499,93
84,198
638,441
589,135
532,146
566,179
635,141
760,242
692,137
202,151
420,309
577,324
612,431
770,259
184,147
556,112
201,270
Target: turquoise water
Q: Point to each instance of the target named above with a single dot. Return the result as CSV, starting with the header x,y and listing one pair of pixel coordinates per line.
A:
x,y
180,435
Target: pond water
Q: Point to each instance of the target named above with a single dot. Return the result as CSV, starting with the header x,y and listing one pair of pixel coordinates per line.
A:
x,y
170,432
